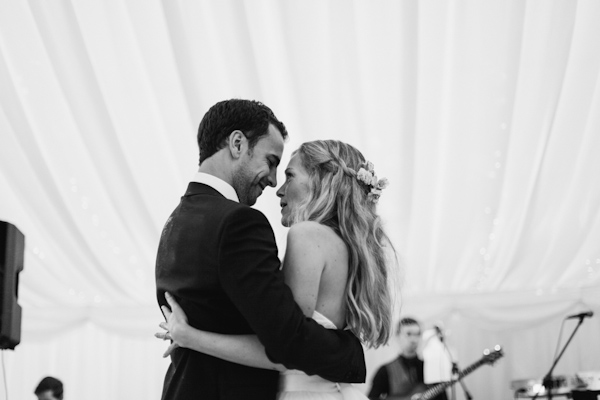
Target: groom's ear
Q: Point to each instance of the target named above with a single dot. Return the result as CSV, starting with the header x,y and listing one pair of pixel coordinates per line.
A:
x,y
236,143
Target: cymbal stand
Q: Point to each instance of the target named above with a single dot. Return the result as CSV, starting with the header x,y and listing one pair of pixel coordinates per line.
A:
x,y
547,382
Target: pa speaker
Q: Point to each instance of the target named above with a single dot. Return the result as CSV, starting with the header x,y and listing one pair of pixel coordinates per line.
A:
x,y
12,251
586,394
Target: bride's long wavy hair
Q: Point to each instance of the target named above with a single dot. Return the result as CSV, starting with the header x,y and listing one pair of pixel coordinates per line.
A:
x,y
339,200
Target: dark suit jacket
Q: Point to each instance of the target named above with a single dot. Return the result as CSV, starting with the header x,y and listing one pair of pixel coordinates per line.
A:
x,y
218,258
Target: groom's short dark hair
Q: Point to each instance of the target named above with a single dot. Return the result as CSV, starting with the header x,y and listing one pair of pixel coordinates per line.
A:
x,y
249,116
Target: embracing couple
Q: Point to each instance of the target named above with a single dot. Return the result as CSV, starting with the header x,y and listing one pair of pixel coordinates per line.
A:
x,y
241,324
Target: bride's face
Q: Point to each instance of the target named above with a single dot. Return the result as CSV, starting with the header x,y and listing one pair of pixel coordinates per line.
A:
x,y
294,190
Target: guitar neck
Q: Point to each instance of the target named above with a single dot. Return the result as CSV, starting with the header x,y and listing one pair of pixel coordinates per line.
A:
x,y
440,387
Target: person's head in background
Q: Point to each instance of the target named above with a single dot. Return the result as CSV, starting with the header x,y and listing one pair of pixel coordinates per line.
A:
x,y
409,336
49,388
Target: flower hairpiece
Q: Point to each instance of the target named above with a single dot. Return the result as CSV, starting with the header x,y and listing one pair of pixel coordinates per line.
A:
x,y
366,175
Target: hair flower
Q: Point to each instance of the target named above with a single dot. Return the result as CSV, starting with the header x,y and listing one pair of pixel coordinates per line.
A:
x,y
382,183
374,180
366,175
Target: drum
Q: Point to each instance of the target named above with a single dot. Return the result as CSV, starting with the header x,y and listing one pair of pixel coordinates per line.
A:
x,y
528,388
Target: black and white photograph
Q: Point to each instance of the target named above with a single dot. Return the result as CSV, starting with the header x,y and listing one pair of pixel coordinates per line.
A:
x,y
299,199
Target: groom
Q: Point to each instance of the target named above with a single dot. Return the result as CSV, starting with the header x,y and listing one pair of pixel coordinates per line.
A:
x,y
218,258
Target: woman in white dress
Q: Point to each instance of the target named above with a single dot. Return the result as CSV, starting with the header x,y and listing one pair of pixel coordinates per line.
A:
x,y
336,264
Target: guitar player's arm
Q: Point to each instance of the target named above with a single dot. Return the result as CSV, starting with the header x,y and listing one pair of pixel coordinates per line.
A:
x,y
380,385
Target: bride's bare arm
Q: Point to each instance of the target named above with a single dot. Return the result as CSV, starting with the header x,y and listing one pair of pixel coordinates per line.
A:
x,y
241,349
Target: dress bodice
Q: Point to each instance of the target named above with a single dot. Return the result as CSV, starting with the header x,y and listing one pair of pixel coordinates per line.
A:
x,y
323,320
296,385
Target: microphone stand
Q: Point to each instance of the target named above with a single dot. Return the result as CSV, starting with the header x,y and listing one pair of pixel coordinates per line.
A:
x,y
547,381
455,369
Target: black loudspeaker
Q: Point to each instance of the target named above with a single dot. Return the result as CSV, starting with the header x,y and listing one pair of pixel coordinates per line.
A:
x,y
586,394
12,252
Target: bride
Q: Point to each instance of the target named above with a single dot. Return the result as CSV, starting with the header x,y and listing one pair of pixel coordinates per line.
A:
x,y
335,263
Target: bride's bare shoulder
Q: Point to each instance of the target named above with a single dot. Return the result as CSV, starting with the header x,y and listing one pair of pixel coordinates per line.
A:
x,y
312,232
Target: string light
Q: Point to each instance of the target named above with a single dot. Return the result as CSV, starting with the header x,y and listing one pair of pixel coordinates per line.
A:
x,y
94,219
501,129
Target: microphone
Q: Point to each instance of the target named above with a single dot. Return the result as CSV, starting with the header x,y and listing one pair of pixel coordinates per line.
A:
x,y
581,315
439,332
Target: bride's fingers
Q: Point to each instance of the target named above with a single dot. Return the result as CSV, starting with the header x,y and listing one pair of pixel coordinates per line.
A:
x,y
163,335
174,305
164,326
170,349
166,311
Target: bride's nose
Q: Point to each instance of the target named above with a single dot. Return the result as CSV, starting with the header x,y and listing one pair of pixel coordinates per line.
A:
x,y
281,191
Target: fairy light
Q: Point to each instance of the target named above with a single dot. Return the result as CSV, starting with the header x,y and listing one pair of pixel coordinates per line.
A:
x,y
500,130
485,269
93,217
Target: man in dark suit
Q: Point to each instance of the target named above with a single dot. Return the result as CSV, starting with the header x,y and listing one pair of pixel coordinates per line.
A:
x,y
218,258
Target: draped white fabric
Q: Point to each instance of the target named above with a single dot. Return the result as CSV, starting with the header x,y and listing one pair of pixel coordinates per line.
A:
x,y
484,116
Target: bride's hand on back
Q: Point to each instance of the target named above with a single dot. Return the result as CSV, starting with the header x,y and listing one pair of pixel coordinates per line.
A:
x,y
175,327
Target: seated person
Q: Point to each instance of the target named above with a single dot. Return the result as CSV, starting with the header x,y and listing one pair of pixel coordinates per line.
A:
x,y
49,388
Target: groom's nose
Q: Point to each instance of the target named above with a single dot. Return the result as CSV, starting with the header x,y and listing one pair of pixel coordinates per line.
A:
x,y
272,178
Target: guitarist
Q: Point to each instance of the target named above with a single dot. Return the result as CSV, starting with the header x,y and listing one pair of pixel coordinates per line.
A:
x,y
403,377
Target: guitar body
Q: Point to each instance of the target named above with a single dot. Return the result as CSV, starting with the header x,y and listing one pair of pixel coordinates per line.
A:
x,y
414,394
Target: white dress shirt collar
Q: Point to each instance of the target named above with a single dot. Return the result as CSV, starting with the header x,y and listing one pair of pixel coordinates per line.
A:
x,y
218,184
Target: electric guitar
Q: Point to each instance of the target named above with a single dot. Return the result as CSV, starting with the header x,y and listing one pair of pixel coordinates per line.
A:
x,y
423,393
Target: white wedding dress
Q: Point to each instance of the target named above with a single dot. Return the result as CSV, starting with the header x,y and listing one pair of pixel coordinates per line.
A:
x,y
296,385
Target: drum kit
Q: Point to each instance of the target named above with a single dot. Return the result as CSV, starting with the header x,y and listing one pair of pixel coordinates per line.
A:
x,y
583,385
